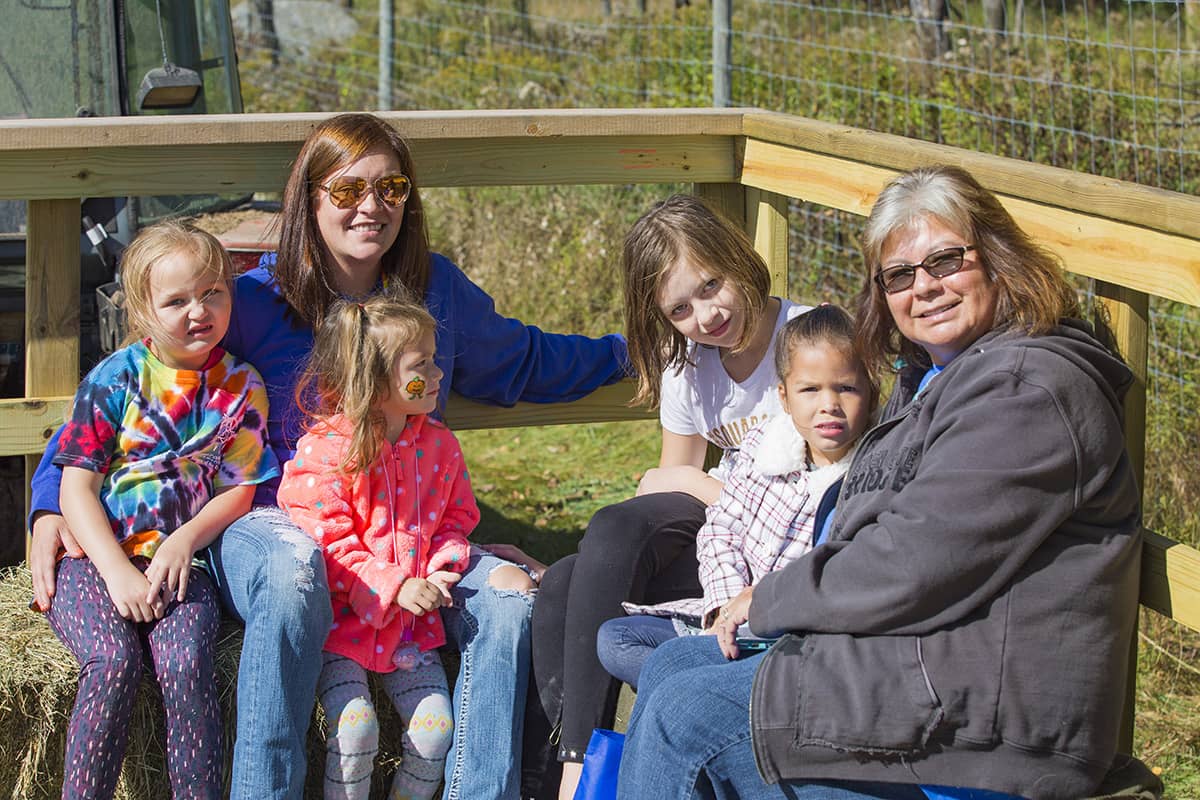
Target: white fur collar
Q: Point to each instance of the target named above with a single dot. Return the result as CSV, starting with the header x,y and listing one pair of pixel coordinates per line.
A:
x,y
782,450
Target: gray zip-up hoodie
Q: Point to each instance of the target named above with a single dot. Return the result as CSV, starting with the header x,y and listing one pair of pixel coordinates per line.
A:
x,y
969,620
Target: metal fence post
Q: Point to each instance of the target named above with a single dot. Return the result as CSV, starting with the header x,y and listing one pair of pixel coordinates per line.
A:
x,y
722,14
386,40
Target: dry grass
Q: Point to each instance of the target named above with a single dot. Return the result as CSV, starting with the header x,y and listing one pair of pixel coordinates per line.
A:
x,y
38,678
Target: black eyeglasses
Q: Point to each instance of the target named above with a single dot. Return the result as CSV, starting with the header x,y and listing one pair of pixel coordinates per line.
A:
x,y
939,264
348,191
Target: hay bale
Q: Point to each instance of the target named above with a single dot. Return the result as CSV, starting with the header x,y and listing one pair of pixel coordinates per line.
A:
x,y
38,679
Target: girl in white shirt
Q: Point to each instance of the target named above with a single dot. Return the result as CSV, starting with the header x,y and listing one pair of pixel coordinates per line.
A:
x,y
701,323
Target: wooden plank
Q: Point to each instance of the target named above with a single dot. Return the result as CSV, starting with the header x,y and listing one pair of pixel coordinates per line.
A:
x,y
767,222
1128,321
1171,579
26,135
728,199
51,303
606,404
27,424
1089,245
236,168
1158,209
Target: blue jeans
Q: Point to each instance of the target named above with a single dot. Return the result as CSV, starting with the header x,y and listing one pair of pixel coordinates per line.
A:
x,y
271,577
690,734
490,628
623,644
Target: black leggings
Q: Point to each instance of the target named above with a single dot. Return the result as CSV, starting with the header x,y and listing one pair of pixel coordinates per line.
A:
x,y
642,550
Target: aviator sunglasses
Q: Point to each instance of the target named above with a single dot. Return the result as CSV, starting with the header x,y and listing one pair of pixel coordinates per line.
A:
x,y
348,192
939,264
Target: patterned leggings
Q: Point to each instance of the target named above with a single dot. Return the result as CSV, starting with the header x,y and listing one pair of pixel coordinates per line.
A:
x,y
421,697
109,649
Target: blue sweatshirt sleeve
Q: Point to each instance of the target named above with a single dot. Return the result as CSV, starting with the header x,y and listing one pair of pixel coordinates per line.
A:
x,y
498,360
43,489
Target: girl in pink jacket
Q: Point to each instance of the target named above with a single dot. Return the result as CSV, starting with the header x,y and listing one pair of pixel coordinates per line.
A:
x,y
383,488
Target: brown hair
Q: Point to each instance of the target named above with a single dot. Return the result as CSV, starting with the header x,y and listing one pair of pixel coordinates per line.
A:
x,y
302,268
150,246
825,324
349,370
682,226
1033,293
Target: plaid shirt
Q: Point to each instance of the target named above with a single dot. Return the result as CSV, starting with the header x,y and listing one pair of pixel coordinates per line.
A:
x,y
762,521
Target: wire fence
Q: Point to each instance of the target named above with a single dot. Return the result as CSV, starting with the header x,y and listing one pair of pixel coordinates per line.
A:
x,y
1109,87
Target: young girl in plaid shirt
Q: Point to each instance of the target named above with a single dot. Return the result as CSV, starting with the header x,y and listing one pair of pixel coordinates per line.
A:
x,y
766,514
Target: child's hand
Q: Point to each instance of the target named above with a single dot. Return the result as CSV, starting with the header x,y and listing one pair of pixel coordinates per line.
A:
x,y
419,596
510,552
444,579
129,591
170,568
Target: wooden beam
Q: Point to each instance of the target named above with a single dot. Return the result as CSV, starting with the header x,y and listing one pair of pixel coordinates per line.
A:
x,y
1128,321
767,221
1171,579
606,404
242,168
1094,246
51,303
1157,209
27,424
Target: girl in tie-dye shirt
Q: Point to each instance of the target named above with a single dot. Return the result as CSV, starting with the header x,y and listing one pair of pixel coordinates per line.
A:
x,y
165,445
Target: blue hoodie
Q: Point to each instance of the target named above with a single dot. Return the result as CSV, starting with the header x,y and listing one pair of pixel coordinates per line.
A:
x,y
486,357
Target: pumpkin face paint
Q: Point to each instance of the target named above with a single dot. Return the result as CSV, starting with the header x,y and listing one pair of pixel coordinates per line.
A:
x,y
414,384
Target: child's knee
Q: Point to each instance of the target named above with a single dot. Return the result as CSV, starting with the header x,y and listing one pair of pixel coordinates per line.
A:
x,y
431,732
357,728
510,578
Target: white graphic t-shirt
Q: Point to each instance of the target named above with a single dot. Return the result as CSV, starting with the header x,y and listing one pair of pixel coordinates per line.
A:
x,y
703,398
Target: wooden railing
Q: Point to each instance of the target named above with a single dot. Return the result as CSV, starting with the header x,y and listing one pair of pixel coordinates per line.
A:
x,y
1134,240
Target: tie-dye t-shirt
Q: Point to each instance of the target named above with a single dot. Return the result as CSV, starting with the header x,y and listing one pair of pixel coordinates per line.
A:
x,y
167,439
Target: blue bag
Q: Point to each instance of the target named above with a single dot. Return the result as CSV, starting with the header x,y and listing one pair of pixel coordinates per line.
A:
x,y
600,765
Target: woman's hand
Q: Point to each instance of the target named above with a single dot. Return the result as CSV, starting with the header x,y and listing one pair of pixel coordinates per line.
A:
x,y
130,590
510,552
171,567
49,535
419,596
729,618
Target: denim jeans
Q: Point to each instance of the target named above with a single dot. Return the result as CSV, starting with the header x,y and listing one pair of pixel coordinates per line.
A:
x,y
271,577
623,644
490,628
690,734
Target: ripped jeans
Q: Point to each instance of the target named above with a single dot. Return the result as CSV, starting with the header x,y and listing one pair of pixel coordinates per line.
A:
x,y
271,577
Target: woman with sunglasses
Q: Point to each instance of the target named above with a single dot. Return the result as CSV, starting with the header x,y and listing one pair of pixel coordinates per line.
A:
x,y
353,225
964,630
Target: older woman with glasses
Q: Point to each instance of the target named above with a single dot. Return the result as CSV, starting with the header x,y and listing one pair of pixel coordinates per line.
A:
x,y
964,630
352,226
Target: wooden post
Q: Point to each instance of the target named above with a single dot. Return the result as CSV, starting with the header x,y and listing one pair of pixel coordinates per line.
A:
x,y
1128,322
767,224
51,305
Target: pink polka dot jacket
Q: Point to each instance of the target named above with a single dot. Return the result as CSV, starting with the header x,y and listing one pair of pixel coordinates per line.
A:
x,y
407,515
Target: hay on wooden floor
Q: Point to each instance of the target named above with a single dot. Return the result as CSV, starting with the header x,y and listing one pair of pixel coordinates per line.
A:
x,y
38,678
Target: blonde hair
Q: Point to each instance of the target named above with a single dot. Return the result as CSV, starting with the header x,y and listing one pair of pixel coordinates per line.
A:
x,y
349,370
825,324
682,226
153,244
1033,293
